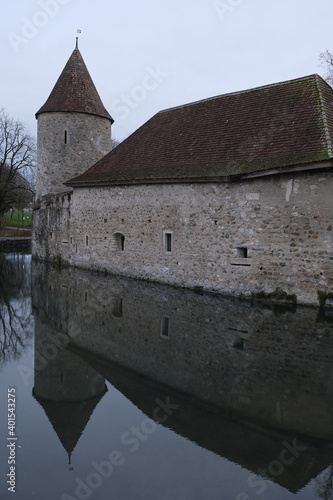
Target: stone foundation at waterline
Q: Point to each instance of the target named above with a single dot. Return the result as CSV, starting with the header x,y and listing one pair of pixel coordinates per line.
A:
x,y
236,238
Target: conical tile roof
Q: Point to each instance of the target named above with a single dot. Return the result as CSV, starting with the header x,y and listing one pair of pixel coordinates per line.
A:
x,y
75,91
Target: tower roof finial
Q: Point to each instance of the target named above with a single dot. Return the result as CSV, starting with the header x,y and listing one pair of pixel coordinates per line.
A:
x,y
77,39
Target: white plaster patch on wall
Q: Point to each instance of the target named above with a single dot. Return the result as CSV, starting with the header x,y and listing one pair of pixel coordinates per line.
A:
x,y
288,186
296,186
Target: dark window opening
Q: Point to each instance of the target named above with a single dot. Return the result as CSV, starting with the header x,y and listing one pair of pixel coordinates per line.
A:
x,y
117,307
168,242
87,241
242,252
119,242
165,327
66,138
239,345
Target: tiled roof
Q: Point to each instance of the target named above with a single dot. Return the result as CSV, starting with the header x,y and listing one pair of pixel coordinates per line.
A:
x,y
75,91
259,131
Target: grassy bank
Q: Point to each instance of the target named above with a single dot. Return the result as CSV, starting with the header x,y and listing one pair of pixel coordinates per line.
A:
x,y
17,219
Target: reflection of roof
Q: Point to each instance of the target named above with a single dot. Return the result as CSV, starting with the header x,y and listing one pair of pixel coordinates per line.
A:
x,y
75,91
227,434
265,129
69,418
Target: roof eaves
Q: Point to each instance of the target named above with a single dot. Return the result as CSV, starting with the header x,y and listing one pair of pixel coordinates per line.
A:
x,y
101,115
90,183
324,117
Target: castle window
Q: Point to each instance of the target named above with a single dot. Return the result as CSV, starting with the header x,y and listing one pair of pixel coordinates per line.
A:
x,y
66,137
242,257
118,242
242,252
87,241
168,241
117,307
165,327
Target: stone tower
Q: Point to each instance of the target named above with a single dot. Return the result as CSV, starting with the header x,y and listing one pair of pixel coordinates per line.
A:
x,y
74,128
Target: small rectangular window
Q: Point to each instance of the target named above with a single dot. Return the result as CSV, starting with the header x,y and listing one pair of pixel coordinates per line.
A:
x,y
168,241
87,241
242,252
242,258
66,138
165,327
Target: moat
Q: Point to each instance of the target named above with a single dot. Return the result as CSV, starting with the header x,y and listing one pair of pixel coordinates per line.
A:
x,y
130,390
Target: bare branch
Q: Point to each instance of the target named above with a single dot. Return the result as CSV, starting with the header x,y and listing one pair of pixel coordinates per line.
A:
x,y
17,162
326,59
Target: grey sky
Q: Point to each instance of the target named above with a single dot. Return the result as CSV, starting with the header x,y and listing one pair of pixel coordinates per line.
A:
x,y
148,55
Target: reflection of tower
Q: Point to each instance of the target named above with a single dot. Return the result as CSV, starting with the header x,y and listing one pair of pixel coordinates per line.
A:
x,y
65,386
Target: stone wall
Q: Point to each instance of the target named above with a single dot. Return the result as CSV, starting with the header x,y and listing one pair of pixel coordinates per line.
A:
x,y
233,238
68,144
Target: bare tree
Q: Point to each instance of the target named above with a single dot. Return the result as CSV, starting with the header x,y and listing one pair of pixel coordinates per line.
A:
x,y
17,161
326,59
114,143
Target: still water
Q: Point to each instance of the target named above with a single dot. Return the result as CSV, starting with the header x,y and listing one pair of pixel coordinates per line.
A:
x,y
127,390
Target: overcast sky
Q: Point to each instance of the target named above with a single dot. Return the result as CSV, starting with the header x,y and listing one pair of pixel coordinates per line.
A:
x,y
148,55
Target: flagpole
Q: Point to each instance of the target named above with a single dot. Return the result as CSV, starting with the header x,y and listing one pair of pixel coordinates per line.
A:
x,y
77,38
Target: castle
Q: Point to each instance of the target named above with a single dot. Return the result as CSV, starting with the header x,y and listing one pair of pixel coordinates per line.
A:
x,y
230,194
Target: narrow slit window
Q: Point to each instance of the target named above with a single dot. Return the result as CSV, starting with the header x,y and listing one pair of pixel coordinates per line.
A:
x,y
168,242
165,327
87,241
117,307
66,137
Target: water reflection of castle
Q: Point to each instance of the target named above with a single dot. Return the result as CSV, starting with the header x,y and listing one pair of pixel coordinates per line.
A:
x,y
68,390
267,366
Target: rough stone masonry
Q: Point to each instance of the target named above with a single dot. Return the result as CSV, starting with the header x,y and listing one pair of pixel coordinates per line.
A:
x,y
235,238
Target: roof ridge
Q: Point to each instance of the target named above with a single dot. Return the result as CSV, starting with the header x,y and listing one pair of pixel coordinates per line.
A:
x,y
319,82
313,76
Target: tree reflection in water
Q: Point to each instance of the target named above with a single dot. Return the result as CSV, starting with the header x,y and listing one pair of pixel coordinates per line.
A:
x,y
323,485
15,306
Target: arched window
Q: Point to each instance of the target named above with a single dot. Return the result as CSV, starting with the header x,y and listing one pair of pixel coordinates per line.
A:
x,y
118,242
